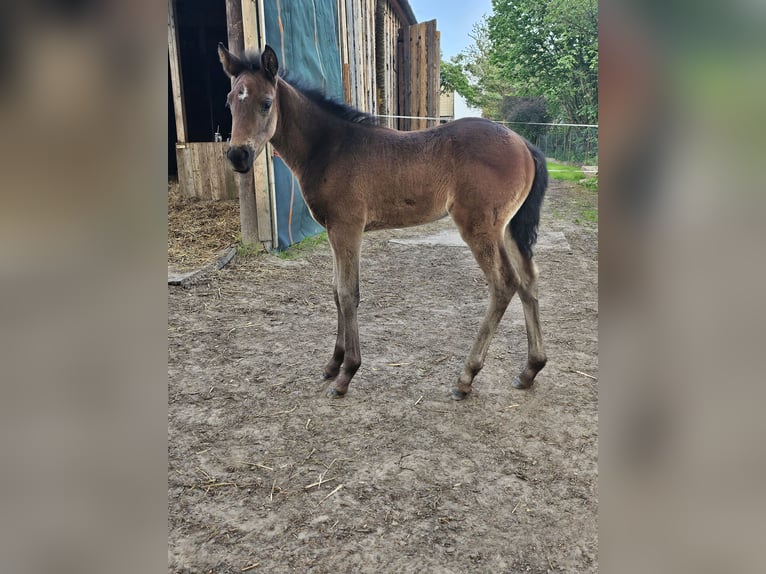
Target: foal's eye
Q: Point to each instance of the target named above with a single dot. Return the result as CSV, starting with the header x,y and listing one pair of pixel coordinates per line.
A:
x,y
265,105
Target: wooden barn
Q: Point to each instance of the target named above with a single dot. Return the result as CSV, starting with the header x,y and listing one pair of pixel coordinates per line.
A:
x,y
373,54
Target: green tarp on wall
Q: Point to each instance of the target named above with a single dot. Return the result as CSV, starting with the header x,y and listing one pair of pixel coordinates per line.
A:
x,y
304,34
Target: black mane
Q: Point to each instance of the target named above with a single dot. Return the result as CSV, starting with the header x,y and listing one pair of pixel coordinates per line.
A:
x,y
252,62
330,105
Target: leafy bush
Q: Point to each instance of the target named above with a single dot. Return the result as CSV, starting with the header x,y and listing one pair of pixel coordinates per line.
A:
x,y
519,112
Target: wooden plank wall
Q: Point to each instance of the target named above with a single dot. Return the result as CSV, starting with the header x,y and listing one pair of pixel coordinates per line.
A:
x,y
419,75
387,61
357,28
203,171
370,56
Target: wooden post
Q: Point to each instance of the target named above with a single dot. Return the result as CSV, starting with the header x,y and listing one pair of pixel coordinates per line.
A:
x,y
248,212
254,35
344,58
419,74
403,105
185,175
175,74
434,90
234,26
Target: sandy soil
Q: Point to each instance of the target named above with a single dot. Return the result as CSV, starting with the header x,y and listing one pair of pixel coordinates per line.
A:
x,y
266,474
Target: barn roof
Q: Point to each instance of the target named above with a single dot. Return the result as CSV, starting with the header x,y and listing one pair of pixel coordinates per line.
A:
x,y
404,10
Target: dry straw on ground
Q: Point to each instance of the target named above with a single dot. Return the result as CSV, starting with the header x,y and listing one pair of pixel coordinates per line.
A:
x,y
197,229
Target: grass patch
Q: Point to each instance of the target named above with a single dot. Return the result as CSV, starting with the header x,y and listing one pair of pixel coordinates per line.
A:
x,y
589,214
247,249
566,172
302,247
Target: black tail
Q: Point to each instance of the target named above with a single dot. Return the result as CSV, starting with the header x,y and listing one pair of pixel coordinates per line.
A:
x,y
524,223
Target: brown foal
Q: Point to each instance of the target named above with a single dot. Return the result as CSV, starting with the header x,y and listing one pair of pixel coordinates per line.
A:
x,y
356,176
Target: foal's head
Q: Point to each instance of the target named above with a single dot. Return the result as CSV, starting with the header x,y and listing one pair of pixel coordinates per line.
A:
x,y
252,103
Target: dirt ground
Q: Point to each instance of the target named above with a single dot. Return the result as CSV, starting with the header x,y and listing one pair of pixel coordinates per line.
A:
x,y
267,474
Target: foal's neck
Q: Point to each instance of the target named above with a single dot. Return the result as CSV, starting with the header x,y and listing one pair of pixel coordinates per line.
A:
x,y
299,127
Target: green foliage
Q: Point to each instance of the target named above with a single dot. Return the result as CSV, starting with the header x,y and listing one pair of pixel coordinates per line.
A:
x,y
528,49
453,79
526,115
590,183
549,49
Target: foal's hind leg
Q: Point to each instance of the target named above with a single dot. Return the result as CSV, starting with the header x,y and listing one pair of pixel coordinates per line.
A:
x,y
493,259
527,271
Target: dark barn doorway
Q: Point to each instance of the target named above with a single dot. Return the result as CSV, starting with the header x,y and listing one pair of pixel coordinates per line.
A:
x,y
201,25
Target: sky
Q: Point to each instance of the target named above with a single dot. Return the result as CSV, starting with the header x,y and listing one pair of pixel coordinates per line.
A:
x,y
455,20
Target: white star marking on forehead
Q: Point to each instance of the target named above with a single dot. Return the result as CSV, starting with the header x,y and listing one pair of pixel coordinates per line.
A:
x,y
243,94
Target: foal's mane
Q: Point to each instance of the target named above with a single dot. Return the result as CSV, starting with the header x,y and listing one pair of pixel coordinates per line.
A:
x,y
252,61
330,105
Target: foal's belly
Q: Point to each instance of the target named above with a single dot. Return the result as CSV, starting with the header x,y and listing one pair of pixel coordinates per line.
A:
x,y
405,212
375,224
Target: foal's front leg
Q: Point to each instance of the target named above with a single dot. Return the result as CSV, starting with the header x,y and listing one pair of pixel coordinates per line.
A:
x,y
346,357
332,368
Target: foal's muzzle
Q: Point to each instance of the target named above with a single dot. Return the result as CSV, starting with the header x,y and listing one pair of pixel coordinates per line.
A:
x,y
241,158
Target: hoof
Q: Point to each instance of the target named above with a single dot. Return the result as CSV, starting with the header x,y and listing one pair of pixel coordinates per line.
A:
x,y
458,395
334,393
517,384
327,376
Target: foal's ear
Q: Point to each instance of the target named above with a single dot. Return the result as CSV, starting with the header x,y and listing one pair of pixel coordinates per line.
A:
x,y
232,65
269,63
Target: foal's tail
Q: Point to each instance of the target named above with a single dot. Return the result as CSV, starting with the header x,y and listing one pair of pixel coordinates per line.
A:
x,y
524,224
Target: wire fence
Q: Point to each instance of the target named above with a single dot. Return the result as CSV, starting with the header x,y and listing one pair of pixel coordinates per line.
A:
x,y
572,143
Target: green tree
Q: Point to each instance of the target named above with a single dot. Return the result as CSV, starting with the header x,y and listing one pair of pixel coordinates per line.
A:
x,y
549,49
453,79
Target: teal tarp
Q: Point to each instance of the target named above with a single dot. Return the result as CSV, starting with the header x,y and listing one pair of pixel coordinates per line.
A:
x,y
304,34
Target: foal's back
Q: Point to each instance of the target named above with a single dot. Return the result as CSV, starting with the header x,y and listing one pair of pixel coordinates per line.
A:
x,y
409,178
